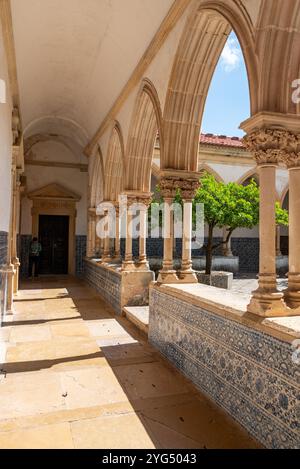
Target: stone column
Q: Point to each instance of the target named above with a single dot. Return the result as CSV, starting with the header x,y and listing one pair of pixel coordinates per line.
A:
x,y
168,185
97,239
10,270
106,257
143,214
292,160
278,249
265,145
16,210
128,263
91,242
188,188
117,255
93,234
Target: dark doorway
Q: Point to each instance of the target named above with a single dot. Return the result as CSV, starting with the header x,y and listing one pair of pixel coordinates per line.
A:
x,y
54,237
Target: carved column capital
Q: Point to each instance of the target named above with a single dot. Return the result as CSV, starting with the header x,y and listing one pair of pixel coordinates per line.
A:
x,y
168,187
170,184
271,146
188,188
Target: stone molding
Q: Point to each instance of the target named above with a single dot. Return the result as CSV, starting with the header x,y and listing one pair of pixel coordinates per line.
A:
x,y
273,146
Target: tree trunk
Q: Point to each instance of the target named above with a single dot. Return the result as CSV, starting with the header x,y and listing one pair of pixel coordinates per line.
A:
x,y
209,250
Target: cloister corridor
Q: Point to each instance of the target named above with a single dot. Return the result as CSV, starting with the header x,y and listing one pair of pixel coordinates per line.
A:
x,y
78,376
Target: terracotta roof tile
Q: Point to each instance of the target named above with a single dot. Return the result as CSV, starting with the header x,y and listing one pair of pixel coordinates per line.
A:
x,y
222,140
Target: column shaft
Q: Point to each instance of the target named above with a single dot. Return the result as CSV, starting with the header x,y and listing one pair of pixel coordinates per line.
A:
x,y
292,294
128,263
168,274
143,237
186,273
267,300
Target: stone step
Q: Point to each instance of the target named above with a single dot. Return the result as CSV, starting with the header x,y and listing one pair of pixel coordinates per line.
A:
x,y
139,316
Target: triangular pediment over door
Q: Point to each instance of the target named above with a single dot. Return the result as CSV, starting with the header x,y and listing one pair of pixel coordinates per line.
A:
x,y
54,191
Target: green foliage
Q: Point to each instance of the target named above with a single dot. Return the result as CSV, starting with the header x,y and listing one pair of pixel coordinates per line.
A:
x,y
282,215
231,205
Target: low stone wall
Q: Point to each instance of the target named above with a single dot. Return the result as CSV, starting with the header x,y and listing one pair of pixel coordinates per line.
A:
x,y
235,360
3,280
118,288
220,263
246,249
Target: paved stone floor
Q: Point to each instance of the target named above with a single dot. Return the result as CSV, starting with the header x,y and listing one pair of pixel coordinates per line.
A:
x,y
77,376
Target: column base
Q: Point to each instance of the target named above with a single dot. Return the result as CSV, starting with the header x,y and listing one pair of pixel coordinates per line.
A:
x,y
167,276
142,265
128,266
292,293
117,259
16,264
267,301
187,276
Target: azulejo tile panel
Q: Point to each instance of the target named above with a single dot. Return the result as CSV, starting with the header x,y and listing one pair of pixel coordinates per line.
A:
x,y
249,373
3,261
106,282
80,254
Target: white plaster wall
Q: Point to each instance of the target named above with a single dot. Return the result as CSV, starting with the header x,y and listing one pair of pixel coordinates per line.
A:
x,y
39,176
230,172
5,144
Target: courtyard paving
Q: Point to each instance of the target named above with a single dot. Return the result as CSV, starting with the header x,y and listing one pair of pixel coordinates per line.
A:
x,y
77,376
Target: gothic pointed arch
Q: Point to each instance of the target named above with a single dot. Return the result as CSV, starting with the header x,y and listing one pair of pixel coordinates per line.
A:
x,y
146,124
114,165
205,168
203,39
96,179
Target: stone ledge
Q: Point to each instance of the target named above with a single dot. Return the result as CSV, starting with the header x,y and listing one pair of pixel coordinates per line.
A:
x,y
233,306
139,316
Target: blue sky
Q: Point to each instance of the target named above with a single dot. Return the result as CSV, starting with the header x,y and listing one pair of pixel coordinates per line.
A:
x,y
227,104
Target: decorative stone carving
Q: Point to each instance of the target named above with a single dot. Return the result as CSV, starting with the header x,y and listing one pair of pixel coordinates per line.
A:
x,y
188,188
271,146
170,184
138,199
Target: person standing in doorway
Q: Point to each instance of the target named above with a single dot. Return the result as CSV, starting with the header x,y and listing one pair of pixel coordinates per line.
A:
x,y
34,257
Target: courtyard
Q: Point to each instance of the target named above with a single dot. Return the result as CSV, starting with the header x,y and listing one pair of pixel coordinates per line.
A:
x,y
149,224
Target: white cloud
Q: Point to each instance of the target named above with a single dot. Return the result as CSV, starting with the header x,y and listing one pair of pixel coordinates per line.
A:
x,y
231,56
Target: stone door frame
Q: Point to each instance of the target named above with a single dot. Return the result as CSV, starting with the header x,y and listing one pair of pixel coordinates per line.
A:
x,y
55,199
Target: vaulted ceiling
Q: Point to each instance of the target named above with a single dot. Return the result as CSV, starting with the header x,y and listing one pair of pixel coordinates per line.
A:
x,y
74,57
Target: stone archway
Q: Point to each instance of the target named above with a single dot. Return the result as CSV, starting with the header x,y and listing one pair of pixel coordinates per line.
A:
x,y
54,199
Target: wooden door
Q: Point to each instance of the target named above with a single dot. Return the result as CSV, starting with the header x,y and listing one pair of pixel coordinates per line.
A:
x,y
54,238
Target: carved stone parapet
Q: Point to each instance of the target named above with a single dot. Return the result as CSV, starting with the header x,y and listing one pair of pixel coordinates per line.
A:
x,y
271,146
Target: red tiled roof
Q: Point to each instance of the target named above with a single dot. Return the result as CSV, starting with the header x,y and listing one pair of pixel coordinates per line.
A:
x,y
222,140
